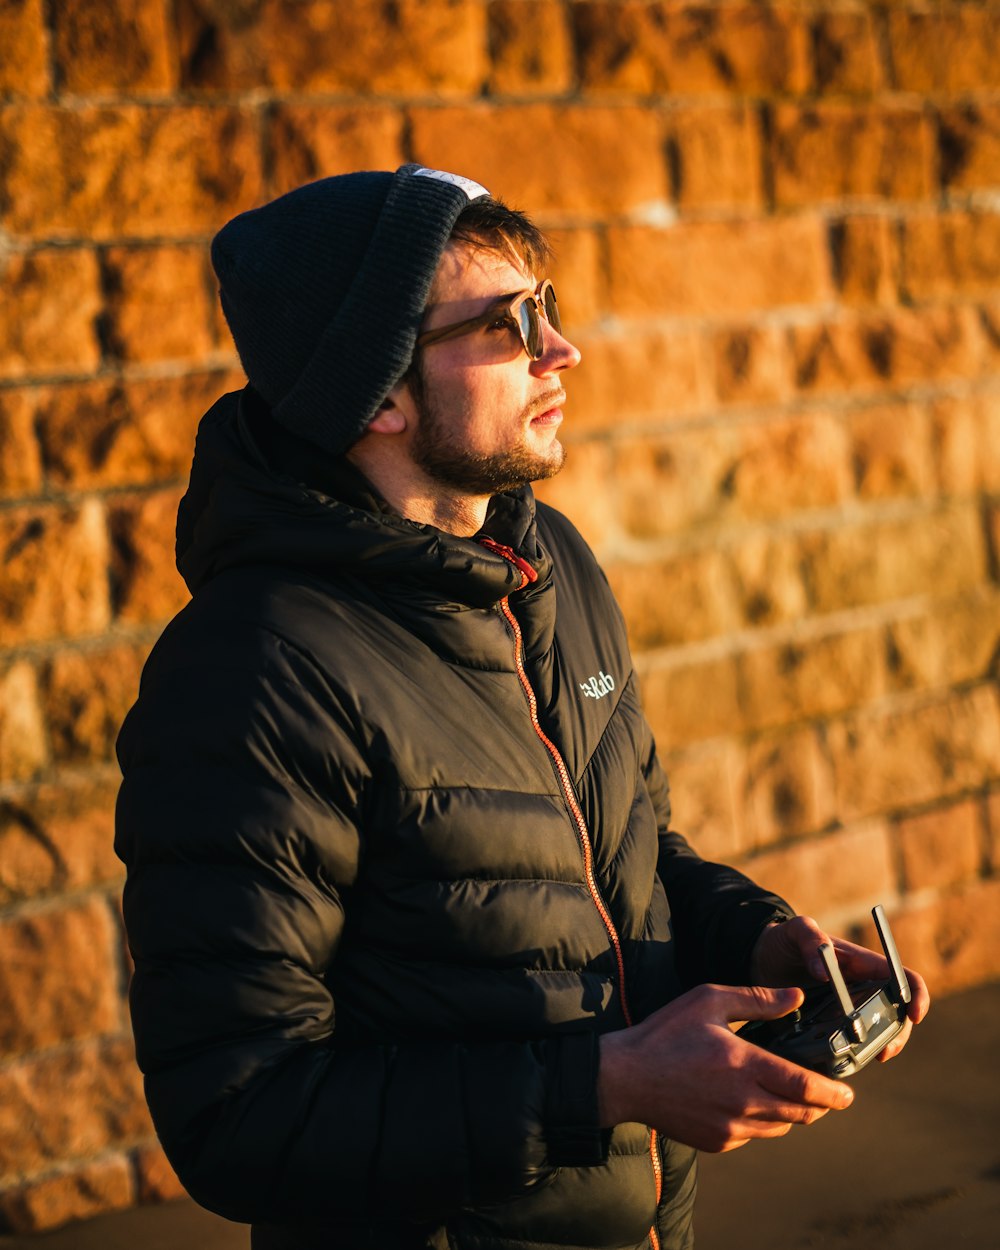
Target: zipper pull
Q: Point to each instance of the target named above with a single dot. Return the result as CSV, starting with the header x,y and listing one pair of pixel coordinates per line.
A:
x,y
511,556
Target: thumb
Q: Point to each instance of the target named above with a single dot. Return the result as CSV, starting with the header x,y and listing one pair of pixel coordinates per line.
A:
x,y
757,1002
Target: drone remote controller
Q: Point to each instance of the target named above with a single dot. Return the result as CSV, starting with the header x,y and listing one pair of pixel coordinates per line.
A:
x,y
839,1029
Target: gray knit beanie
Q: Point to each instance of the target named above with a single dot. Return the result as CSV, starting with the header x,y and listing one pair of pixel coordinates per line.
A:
x,y
324,290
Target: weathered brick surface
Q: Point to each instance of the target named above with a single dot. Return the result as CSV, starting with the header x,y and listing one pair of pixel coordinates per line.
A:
x,y
706,787
145,583
846,57
750,364
418,47
23,49
835,151
159,303
55,572
73,1193
23,742
685,599
59,836
578,273
57,976
940,848
951,643
848,870
966,440
788,790
610,159
104,171
48,316
126,46
531,47
86,695
582,488
104,434
69,1104
970,146
946,49
951,253
954,939
718,268
688,700
20,461
310,141
653,48
886,759
716,157
866,260
891,451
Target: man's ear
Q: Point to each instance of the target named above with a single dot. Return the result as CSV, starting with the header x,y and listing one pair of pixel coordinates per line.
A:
x,y
391,417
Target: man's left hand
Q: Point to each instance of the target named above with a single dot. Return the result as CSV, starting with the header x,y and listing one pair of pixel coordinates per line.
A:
x,y
787,954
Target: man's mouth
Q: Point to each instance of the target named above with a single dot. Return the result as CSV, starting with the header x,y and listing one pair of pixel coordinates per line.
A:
x,y
550,412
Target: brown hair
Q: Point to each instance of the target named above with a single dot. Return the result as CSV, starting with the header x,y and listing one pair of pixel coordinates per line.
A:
x,y
490,224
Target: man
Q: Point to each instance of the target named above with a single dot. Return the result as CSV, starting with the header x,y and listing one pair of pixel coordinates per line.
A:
x,y
418,962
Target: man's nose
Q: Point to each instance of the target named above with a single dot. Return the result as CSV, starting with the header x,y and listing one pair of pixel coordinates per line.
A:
x,y
558,352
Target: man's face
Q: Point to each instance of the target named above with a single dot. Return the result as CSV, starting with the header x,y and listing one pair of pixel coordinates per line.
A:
x,y
486,417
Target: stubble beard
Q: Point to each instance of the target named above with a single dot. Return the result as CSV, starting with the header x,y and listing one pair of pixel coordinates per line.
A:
x,y
475,473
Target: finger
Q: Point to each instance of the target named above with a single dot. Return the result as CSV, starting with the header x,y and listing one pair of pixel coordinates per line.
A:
x,y
780,1111
730,1003
897,1043
792,1083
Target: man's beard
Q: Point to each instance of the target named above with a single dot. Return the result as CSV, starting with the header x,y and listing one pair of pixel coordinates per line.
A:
x,y
474,473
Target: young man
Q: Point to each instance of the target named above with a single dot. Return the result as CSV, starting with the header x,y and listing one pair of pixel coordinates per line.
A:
x,y
418,961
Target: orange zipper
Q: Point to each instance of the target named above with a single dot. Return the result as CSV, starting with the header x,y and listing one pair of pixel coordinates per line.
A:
x,y
529,575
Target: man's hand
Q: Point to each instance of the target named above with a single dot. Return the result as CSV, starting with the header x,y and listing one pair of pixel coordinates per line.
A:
x,y
786,954
683,1072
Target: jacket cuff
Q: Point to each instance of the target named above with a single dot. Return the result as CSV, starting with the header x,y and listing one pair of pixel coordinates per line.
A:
x,y
574,1136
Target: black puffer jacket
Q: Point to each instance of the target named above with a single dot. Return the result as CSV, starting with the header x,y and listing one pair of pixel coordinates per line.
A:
x,y
395,835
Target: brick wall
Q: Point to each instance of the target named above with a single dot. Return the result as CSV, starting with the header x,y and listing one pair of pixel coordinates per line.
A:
x,y
778,230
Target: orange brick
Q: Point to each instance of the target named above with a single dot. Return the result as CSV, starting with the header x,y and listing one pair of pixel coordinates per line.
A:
x,y
845,53
23,745
877,562
86,695
636,375
77,1192
310,141
55,565
886,760
993,828
609,159
841,873
580,491
716,157
871,350
145,583
949,254
706,789
531,50
770,579
940,848
835,150
788,465
99,434
71,1103
48,313
136,170
413,47
127,45
159,303
57,976
689,700
23,49
950,643
865,260
718,268
20,460
811,678
59,837
966,440
948,50
666,484
788,788
750,365
684,599
658,48
954,941
891,451
157,1179
577,271
970,146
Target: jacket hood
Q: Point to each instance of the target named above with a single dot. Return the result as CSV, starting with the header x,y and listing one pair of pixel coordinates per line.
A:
x,y
260,495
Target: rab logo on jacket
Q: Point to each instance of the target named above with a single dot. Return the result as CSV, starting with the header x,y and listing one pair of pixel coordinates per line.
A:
x,y
597,687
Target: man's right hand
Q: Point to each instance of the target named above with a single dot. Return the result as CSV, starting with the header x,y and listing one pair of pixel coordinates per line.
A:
x,y
683,1072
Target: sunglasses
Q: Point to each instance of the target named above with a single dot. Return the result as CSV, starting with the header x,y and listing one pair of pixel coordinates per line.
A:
x,y
523,312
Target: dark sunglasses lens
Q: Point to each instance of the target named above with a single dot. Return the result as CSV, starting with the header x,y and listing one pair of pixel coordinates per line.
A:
x,y
551,308
530,328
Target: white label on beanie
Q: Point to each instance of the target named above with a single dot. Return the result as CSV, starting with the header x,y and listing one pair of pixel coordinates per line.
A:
x,y
472,189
